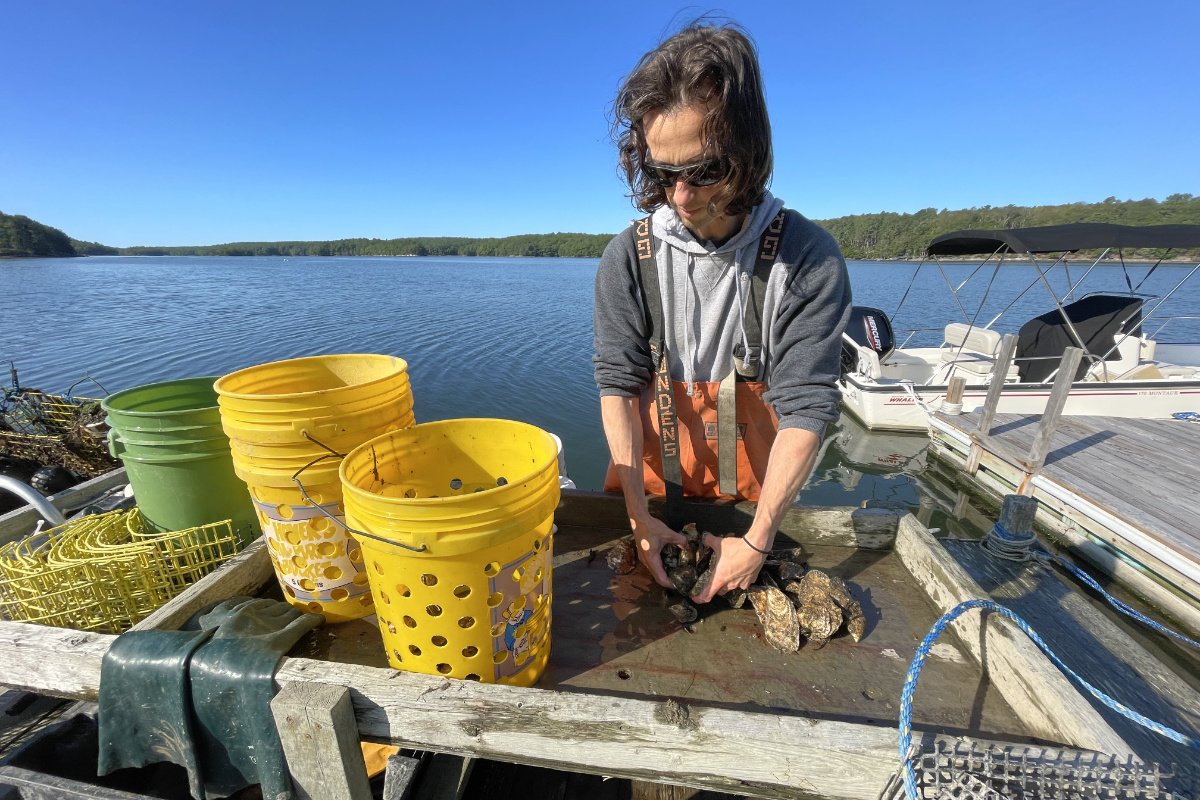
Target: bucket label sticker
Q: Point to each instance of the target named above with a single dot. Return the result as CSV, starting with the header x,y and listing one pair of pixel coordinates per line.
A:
x,y
525,618
314,566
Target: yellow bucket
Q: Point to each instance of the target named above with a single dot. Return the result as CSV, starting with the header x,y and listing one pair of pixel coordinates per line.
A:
x,y
287,422
455,519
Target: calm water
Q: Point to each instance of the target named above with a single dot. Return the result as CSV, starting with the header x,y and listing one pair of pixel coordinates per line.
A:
x,y
483,337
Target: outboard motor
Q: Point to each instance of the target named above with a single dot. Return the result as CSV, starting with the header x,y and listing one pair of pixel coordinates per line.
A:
x,y
870,328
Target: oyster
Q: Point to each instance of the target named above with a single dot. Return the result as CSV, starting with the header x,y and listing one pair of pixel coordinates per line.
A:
x,y
825,601
819,618
856,621
621,557
689,568
778,617
684,612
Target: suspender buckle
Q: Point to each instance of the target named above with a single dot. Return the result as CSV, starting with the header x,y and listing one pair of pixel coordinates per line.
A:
x,y
747,364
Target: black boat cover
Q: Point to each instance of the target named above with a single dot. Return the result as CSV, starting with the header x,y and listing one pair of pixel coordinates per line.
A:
x,y
1097,319
1065,239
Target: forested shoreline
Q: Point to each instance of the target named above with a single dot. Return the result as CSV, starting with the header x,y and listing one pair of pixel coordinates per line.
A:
x,y
882,236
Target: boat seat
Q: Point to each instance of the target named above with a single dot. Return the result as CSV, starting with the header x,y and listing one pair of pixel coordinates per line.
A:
x,y
1142,372
1120,363
968,337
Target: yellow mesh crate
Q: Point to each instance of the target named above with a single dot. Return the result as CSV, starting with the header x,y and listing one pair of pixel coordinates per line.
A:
x,y
105,572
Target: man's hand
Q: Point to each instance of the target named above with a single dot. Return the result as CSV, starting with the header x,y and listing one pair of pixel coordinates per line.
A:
x,y
735,566
649,537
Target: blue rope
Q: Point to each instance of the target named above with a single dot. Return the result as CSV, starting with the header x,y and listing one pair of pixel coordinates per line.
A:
x,y
1121,606
914,672
1008,545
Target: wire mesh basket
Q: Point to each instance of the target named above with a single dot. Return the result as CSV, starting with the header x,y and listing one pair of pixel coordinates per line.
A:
x,y
54,429
105,572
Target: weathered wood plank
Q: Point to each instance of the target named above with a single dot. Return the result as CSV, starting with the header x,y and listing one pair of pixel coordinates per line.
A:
x,y
1095,647
1004,359
1161,584
1039,694
760,754
867,528
706,747
320,740
1054,407
399,778
52,661
1150,511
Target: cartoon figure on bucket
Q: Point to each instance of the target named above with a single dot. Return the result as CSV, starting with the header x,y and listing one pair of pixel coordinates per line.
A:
x,y
720,298
516,632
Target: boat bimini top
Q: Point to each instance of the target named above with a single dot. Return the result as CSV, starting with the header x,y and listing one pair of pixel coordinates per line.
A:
x,y
1066,239
1090,322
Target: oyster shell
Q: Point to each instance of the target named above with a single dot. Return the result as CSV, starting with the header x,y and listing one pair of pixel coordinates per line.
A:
x,y
621,557
684,612
856,621
819,618
775,611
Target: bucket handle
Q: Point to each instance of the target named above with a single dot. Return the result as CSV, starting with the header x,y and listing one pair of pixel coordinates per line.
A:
x,y
115,445
335,454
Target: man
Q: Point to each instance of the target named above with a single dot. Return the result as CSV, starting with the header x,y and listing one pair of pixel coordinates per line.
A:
x,y
717,324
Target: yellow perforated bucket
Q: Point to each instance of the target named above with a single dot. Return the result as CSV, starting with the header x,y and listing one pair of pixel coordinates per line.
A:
x,y
455,519
288,423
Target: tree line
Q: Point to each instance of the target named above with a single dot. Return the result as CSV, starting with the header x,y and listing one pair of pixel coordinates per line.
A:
x,y
557,245
888,235
883,236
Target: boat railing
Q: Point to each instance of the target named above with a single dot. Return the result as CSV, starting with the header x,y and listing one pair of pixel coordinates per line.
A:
x,y
911,332
1166,320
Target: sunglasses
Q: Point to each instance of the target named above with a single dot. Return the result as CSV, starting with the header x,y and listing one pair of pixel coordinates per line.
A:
x,y
700,174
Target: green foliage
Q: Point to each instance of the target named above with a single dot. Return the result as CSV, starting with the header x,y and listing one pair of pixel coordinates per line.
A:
x,y
557,245
885,235
889,235
21,236
93,249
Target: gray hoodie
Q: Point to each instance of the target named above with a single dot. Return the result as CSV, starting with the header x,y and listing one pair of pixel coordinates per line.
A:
x,y
703,290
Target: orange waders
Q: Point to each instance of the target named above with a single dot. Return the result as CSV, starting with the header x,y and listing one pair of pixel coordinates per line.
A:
x,y
715,442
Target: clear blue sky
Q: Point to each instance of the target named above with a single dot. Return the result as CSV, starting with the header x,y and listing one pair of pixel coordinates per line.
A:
x,y
208,121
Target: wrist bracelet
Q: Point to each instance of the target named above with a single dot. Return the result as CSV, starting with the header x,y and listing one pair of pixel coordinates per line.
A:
x,y
750,544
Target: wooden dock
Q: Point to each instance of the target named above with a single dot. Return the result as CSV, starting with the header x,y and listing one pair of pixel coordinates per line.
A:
x,y
630,694
1120,492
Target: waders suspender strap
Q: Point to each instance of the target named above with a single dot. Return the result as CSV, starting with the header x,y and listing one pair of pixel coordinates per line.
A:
x,y
749,364
768,251
664,399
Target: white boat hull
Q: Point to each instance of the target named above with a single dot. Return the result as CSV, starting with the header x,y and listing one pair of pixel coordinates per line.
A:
x,y
890,406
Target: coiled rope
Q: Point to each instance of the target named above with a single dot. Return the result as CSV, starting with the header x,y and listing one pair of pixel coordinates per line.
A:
x,y
914,671
1003,543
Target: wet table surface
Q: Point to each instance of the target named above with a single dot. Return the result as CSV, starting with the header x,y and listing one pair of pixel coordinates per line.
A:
x,y
612,635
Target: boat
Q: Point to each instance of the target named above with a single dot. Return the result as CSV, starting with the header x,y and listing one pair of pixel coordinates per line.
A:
x,y
1127,368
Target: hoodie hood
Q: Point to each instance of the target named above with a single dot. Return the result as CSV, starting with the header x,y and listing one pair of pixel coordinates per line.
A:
x,y
670,229
704,290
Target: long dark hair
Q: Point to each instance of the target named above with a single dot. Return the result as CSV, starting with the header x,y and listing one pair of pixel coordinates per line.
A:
x,y
715,65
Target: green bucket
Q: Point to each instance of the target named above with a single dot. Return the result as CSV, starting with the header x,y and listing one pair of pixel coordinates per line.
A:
x,y
177,457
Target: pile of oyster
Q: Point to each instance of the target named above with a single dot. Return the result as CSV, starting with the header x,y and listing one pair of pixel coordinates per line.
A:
x,y
791,601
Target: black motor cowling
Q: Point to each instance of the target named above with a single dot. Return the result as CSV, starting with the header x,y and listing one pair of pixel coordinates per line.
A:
x,y
867,327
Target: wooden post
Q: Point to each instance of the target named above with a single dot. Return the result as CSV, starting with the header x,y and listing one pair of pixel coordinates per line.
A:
x,y
1004,360
1017,513
320,740
954,395
399,777
1054,407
